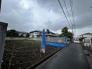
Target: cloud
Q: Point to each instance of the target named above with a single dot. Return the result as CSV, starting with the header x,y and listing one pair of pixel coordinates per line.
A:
x,y
28,15
16,15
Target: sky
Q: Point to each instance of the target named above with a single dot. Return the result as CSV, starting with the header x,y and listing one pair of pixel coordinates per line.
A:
x,y
29,15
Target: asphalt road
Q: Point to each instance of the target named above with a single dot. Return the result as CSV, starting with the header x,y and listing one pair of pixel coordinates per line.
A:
x,y
70,57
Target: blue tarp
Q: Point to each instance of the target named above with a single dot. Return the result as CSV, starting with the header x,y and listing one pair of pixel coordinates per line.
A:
x,y
43,44
65,38
56,44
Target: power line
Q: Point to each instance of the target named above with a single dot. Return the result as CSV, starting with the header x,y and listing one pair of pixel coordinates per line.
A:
x,y
73,17
71,4
68,14
67,10
63,12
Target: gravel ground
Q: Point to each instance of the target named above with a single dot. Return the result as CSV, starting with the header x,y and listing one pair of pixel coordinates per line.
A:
x,y
21,54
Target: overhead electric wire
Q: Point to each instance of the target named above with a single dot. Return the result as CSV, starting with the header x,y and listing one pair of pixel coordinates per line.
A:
x,y
68,13
74,18
64,12
73,24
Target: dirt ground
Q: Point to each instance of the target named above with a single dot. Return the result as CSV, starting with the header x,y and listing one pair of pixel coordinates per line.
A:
x,y
20,54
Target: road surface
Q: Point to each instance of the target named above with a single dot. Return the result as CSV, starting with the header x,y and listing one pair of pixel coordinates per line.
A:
x,y
70,57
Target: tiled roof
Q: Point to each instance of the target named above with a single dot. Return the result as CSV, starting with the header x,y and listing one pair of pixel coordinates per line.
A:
x,y
86,33
35,31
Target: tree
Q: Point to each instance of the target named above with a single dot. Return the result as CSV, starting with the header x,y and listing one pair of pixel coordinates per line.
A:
x,y
70,36
21,35
65,30
12,33
67,33
27,35
81,39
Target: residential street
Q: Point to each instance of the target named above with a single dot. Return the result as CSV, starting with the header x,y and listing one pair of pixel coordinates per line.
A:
x,y
71,57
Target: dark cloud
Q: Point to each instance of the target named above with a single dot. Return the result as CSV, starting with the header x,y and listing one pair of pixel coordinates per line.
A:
x,y
15,15
57,25
82,10
41,14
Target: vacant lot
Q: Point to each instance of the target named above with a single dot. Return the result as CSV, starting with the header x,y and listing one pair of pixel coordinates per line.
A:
x,y
20,54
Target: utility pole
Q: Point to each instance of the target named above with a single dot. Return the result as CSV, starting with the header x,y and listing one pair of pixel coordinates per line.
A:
x,y
3,30
73,31
0,5
72,28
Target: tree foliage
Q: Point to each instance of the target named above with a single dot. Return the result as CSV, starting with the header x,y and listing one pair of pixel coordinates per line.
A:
x,y
81,39
65,30
67,33
21,35
27,35
12,33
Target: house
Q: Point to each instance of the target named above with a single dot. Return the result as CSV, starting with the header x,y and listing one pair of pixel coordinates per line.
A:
x,y
38,33
86,35
35,33
23,34
87,39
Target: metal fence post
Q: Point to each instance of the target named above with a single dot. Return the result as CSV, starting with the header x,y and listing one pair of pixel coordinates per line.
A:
x,y
3,30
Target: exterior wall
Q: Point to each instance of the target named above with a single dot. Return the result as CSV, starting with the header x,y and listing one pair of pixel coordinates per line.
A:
x,y
55,39
24,34
86,35
17,38
34,34
87,44
51,39
31,34
20,34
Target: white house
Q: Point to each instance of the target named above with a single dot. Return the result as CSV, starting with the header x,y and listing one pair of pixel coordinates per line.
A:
x,y
38,33
86,35
87,39
35,33
22,33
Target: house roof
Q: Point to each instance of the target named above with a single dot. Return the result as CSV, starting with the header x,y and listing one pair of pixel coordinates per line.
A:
x,y
22,32
50,32
86,33
35,31
41,31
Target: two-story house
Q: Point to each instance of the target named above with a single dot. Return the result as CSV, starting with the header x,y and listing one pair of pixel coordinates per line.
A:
x,y
87,39
38,33
35,33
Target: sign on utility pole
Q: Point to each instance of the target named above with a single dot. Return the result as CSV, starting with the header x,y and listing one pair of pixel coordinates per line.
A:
x,y
3,30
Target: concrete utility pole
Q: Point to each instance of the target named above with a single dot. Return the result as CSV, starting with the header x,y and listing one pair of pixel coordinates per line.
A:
x,y
0,5
3,30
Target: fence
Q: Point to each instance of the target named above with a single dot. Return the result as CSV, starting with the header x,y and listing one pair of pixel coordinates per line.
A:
x,y
51,39
54,39
17,38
